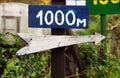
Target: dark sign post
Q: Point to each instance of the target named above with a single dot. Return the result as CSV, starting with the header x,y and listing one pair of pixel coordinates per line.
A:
x,y
58,72
58,59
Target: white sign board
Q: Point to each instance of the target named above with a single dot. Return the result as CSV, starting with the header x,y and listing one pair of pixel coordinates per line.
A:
x,y
76,2
45,42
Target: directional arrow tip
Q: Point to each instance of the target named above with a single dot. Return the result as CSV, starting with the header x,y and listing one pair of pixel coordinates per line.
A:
x,y
99,38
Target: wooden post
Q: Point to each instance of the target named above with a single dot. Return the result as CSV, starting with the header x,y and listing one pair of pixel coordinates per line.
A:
x,y
58,54
58,58
115,40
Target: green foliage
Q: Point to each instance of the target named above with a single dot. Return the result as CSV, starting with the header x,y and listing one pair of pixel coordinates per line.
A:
x,y
88,52
8,48
28,66
36,66
111,70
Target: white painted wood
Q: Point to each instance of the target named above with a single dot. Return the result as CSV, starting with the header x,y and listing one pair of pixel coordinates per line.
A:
x,y
76,2
38,43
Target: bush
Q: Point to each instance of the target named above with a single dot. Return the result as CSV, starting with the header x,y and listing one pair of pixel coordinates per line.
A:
x,y
12,66
110,70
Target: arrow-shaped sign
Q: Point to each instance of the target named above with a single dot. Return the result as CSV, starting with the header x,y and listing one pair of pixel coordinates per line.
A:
x,y
45,42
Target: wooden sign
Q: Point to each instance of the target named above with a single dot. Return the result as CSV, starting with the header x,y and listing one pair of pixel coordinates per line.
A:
x,y
58,16
46,42
98,6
